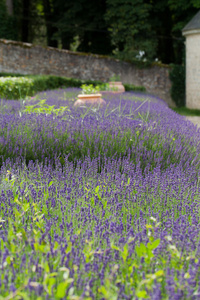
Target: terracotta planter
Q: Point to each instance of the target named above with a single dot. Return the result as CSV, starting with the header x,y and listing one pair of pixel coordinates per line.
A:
x,y
117,87
90,99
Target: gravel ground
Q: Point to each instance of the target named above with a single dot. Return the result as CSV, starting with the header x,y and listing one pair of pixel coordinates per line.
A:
x,y
194,120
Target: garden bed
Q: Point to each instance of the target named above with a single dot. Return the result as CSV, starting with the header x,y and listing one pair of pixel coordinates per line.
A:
x,y
98,203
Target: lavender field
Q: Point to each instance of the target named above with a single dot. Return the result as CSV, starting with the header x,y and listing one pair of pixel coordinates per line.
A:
x,y
98,203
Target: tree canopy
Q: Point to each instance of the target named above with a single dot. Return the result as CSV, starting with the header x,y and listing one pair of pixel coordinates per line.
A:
x,y
132,30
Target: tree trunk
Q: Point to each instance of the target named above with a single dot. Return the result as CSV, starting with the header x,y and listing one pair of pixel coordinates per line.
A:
x,y
49,19
25,20
9,5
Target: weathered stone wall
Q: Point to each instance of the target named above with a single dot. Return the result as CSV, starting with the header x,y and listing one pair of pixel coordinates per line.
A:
x,y
193,69
24,58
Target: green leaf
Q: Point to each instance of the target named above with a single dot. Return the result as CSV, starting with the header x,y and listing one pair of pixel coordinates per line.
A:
x,y
105,204
51,282
125,253
2,244
142,294
103,290
69,247
25,207
56,246
23,295
115,247
92,201
141,250
97,189
62,287
159,273
153,245
46,267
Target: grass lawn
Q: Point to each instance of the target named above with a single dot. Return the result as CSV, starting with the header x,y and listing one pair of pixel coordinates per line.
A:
x,y
184,111
98,203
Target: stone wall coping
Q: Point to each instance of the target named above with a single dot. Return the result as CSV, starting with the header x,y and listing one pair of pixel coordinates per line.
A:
x,y
29,45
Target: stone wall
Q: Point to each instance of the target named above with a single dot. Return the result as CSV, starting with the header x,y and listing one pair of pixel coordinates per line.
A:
x,y
193,69
24,58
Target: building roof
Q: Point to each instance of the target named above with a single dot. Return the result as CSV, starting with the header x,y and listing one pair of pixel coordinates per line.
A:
x,y
193,24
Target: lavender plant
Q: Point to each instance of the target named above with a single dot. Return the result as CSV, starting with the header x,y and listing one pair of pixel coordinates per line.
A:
x,y
104,205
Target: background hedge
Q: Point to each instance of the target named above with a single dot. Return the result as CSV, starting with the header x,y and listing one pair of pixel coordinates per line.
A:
x,y
38,83
177,77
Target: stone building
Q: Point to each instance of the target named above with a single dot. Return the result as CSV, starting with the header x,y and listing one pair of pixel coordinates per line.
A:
x,y
192,34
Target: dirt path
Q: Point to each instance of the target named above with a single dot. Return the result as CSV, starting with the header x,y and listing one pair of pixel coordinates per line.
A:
x,y
194,120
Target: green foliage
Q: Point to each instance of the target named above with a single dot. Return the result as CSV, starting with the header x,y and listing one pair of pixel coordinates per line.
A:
x,y
177,77
104,87
111,27
131,87
35,83
130,29
43,108
179,14
7,23
6,74
15,87
130,267
115,78
50,82
196,3
90,89
85,20
183,4
184,111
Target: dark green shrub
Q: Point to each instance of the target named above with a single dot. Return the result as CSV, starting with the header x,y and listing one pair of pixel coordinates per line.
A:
x,y
37,83
177,77
3,74
130,87
50,82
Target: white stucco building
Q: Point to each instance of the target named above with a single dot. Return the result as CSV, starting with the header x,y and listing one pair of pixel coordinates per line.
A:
x,y
192,34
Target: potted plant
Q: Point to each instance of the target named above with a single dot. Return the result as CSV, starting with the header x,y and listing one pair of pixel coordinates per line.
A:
x,y
116,85
90,95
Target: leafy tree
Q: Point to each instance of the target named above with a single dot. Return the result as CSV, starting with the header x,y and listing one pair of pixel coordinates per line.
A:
x,y
95,37
50,15
25,20
130,28
84,19
7,23
22,23
161,26
182,12
68,21
152,26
